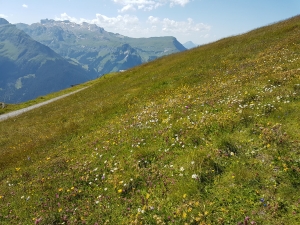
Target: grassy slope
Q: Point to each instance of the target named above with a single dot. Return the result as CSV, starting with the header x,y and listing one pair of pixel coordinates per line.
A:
x,y
207,136
12,107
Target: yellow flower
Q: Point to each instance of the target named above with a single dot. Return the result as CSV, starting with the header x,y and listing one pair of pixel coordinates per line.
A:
x,y
184,215
60,209
18,168
120,191
1,196
60,189
184,196
147,195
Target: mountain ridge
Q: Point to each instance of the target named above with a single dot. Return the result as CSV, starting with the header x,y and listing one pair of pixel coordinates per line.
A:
x,y
92,46
189,45
29,69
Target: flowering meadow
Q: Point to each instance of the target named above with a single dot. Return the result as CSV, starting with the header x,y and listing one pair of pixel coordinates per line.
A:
x,y
206,136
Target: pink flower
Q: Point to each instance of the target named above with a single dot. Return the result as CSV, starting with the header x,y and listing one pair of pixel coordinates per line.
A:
x,y
37,221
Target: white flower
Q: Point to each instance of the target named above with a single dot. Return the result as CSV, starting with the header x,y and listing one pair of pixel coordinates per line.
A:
x,y
181,169
141,210
194,176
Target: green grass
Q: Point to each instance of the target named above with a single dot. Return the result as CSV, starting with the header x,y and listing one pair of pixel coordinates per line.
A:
x,y
206,136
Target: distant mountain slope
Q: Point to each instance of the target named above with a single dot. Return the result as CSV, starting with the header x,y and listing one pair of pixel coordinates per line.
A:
x,y
95,48
29,69
189,45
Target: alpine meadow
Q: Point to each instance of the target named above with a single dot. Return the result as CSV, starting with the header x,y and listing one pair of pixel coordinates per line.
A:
x,y
205,136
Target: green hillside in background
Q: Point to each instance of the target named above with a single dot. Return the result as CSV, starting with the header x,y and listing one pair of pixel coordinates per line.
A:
x,y
206,136
29,69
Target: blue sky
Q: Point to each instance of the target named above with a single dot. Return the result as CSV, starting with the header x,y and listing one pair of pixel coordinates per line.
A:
x,y
200,21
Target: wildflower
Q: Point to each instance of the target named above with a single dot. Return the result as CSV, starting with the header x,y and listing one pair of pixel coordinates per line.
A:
x,y
140,210
181,169
194,176
60,189
184,196
120,191
147,195
18,168
60,209
1,196
38,220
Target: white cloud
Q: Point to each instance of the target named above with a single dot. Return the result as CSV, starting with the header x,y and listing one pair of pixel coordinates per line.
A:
x,y
113,24
126,22
3,16
131,26
148,5
127,8
174,27
25,6
179,2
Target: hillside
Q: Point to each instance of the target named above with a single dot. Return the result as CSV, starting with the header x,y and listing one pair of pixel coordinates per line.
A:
x,y
96,49
29,69
206,136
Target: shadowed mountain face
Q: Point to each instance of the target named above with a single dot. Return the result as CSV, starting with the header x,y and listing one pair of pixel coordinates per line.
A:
x,y
99,50
29,69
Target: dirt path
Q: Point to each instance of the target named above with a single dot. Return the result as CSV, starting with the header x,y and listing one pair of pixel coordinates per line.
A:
x,y
20,111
